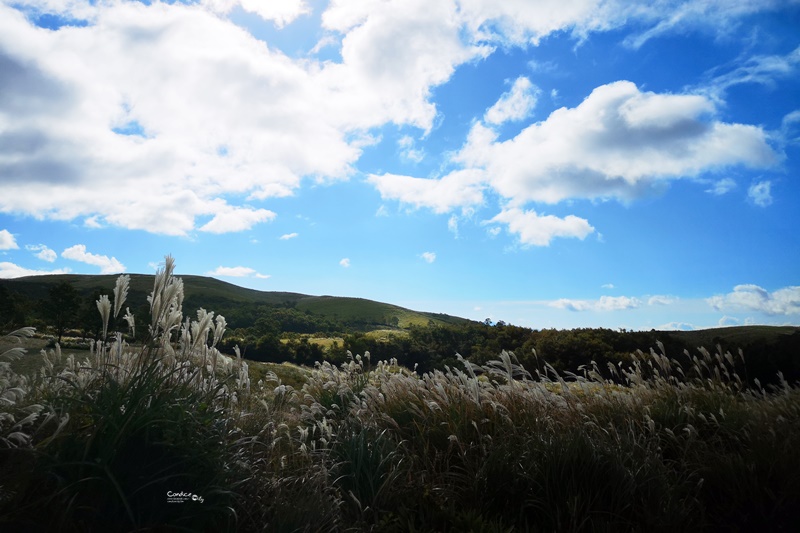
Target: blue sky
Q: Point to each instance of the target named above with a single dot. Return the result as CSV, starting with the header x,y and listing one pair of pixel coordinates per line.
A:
x,y
569,163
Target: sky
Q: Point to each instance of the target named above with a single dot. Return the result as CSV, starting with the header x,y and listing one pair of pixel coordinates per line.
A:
x,y
551,163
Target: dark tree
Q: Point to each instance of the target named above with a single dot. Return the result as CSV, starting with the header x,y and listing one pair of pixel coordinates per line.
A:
x,y
89,319
8,309
62,307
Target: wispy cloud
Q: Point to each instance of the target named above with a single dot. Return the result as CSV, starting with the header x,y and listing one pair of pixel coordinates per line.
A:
x,y
722,186
428,257
408,150
760,193
660,299
236,272
760,69
345,262
108,265
288,236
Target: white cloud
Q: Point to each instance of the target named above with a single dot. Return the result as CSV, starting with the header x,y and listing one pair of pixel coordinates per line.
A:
x,y
10,270
660,299
237,219
107,265
428,257
281,12
607,286
452,225
202,98
762,70
7,241
722,186
458,189
345,262
393,54
617,143
604,303
760,193
677,326
288,236
670,16
236,272
514,105
43,252
178,101
785,301
539,230
408,151
727,321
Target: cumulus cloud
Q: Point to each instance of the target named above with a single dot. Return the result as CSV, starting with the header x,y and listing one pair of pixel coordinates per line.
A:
x,y
617,143
42,252
514,105
177,100
288,236
458,189
604,303
7,241
345,262
538,230
785,301
107,265
393,54
236,272
236,219
620,142
11,270
760,193
168,99
428,257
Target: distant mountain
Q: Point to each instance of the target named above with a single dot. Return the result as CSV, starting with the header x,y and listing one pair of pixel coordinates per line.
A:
x,y
236,302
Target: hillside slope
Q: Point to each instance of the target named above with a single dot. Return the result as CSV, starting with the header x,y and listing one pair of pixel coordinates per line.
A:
x,y
234,301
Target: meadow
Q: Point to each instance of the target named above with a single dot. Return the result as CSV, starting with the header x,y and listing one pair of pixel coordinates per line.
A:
x,y
173,435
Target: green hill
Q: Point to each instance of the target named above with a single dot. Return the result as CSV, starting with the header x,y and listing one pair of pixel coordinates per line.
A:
x,y
734,336
236,303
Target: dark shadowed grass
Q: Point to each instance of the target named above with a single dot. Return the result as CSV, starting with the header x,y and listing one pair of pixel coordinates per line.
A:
x,y
98,444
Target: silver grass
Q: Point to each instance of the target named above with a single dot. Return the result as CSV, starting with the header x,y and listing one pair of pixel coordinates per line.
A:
x,y
121,293
104,306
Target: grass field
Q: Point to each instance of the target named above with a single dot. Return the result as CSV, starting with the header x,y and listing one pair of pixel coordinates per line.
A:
x,y
106,441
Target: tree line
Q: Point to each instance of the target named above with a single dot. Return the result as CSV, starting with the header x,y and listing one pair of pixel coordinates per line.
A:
x,y
280,332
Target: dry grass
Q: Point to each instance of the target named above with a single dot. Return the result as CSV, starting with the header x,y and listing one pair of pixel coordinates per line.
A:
x,y
94,441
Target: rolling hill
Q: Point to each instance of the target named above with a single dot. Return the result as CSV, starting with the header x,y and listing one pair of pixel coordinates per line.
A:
x,y
234,302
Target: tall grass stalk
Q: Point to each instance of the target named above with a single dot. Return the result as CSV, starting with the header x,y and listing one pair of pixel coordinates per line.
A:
x,y
95,442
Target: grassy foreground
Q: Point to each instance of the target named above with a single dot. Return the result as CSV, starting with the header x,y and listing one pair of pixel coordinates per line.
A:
x,y
175,436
